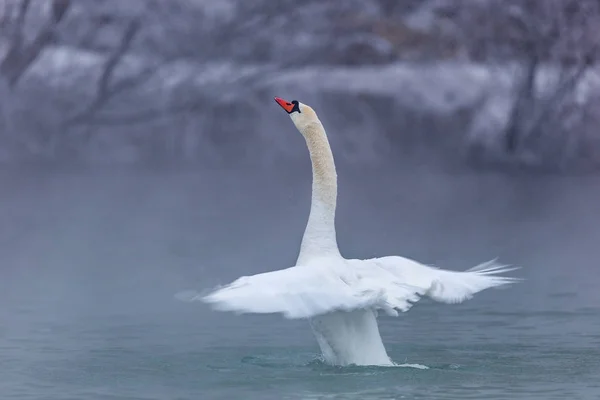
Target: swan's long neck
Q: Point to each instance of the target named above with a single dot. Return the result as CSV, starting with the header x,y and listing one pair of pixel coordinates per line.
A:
x,y
319,236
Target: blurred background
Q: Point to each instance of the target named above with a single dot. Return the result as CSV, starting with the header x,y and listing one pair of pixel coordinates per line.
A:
x,y
191,81
141,154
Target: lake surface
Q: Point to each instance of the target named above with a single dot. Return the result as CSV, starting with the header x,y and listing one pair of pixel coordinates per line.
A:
x,y
90,263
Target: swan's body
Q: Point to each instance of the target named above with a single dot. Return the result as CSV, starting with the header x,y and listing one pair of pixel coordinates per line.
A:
x,y
341,297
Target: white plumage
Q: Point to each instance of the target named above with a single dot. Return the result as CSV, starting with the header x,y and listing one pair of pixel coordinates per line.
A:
x,y
390,284
341,298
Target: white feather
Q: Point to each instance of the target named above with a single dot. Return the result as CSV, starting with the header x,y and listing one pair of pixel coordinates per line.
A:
x,y
390,284
340,297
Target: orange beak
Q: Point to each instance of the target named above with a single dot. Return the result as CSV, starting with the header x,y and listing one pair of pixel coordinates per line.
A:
x,y
286,105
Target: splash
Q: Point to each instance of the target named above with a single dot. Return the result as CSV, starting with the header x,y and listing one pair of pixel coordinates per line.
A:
x,y
319,362
416,366
192,295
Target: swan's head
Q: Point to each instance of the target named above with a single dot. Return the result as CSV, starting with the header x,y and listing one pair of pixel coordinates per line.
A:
x,y
301,114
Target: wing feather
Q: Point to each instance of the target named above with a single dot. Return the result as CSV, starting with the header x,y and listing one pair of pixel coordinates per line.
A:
x,y
391,284
296,292
409,280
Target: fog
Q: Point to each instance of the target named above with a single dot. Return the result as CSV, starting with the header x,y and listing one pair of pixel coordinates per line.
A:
x,y
76,243
91,262
141,154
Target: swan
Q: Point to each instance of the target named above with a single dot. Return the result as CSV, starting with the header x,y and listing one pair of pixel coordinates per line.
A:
x,y
341,297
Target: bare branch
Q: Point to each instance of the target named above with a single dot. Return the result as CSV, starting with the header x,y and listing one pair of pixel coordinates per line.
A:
x,y
547,110
88,114
17,34
525,97
59,9
107,88
20,24
87,39
21,56
113,60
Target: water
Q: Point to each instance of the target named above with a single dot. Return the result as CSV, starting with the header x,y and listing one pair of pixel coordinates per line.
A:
x,y
90,263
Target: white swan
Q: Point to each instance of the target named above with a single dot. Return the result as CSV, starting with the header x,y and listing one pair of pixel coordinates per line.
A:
x,y
341,297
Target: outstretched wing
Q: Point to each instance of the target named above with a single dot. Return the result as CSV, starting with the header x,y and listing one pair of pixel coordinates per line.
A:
x,y
390,284
403,281
296,292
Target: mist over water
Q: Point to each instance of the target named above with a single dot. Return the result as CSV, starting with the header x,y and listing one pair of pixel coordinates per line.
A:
x,y
91,260
99,230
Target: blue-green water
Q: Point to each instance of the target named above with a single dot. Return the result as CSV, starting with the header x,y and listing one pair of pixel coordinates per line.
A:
x,y
90,265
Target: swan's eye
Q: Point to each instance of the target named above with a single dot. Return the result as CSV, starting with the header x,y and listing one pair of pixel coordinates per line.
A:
x,y
296,106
